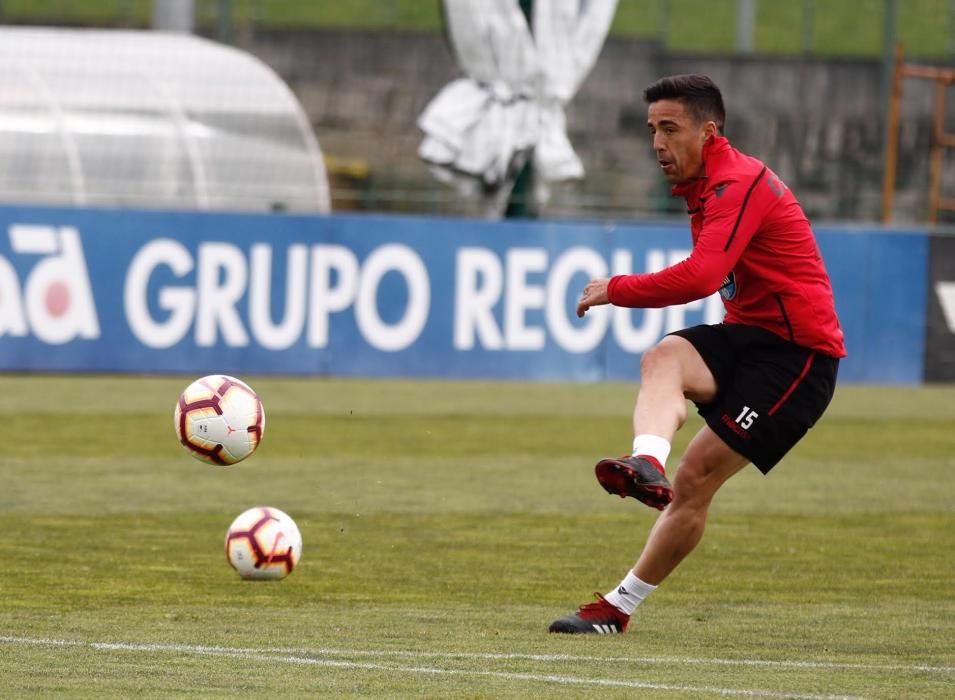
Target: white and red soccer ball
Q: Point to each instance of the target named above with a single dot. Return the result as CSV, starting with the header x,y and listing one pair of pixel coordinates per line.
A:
x,y
263,543
219,419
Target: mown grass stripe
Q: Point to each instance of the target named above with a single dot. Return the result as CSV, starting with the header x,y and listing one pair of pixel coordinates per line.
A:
x,y
278,657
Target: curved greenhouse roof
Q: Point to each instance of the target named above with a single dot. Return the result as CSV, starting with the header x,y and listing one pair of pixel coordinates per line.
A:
x,y
150,119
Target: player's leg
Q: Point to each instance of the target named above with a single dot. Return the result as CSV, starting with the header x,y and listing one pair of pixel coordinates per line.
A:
x,y
671,372
706,465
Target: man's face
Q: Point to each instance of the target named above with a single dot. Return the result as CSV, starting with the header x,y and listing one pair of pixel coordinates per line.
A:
x,y
678,140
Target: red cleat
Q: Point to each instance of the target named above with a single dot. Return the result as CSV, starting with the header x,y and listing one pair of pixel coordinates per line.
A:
x,y
593,618
638,477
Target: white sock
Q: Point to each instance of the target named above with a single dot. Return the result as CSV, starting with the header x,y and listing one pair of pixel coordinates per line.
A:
x,y
654,446
629,594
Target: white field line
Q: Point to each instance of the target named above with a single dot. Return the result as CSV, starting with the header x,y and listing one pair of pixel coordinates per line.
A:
x,y
264,655
662,660
654,660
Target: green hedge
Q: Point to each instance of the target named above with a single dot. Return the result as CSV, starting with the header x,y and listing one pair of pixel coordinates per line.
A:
x,y
822,27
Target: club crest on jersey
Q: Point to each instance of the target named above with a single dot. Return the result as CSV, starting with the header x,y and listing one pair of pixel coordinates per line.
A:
x,y
728,288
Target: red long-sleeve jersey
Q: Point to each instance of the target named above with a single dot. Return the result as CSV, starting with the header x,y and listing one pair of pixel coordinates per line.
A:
x,y
753,243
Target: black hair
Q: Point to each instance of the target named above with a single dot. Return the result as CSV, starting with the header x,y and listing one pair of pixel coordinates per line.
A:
x,y
697,92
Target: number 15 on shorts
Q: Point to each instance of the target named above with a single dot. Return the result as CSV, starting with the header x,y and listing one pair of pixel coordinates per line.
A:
x,y
746,417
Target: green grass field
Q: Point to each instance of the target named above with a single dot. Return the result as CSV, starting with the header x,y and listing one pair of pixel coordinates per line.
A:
x,y
445,525
824,27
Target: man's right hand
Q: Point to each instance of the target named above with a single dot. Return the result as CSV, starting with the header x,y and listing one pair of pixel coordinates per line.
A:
x,y
594,294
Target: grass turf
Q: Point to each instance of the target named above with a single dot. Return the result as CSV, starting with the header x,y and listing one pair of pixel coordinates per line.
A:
x,y
445,525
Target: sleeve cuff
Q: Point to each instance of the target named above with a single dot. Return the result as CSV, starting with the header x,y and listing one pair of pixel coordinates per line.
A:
x,y
610,287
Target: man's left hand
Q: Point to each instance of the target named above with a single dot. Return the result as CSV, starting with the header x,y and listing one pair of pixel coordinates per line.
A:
x,y
594,294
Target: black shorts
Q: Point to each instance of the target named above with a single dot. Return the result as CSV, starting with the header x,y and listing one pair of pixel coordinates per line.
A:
x,y
769,391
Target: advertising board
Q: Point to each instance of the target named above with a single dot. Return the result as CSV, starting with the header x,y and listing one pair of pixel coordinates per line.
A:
x,y
353,295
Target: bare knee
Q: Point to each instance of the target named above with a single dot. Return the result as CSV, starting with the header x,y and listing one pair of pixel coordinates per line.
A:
x,y
662,357
676,362
695,484
662,378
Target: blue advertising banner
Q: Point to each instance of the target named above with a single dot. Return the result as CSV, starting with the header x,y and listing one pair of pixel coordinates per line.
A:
x,y
353,295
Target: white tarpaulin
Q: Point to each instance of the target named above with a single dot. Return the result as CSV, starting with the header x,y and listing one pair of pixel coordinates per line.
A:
x,y
480,128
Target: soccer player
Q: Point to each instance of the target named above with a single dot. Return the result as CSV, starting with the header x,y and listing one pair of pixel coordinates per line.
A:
x,y
760,379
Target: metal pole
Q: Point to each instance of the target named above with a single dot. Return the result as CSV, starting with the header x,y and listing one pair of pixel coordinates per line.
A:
x,y
125,11
173,16
808,25
663,20
521,202
224,21
892,136
950,24
888,49
938,145
745,25
891,64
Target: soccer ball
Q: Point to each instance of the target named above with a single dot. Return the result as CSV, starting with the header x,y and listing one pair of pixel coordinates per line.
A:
x,y
219,419
263,543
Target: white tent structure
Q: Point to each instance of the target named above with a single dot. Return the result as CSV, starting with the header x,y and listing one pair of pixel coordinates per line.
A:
x,y
480,129
150,120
